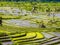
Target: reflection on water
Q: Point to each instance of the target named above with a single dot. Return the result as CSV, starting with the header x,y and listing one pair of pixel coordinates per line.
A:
x,y
57,15
7,43
19,22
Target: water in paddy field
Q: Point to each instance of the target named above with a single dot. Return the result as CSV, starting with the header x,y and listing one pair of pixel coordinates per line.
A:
x,y
7,43
20,22
57,15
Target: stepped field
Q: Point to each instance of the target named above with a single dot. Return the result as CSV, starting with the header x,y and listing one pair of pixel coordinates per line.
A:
x,y
29,23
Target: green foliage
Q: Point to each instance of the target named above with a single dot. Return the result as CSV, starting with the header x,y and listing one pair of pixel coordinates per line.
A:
x,y
0,43
29,5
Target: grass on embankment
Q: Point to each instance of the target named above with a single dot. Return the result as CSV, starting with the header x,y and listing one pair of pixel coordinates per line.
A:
x,y
25,29
6,17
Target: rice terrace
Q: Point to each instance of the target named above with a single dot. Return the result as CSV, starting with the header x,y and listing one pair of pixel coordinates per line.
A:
x,y
29,22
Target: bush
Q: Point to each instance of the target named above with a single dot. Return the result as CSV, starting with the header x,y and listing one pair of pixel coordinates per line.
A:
x,y
0,43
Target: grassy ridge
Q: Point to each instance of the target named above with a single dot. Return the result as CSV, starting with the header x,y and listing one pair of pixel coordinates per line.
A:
x,y
28,6
10,17
24,29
